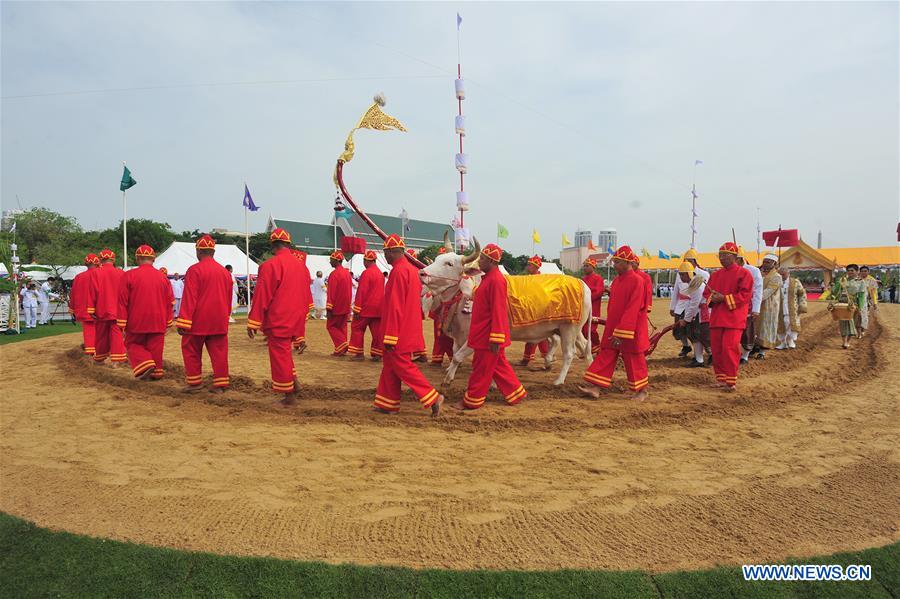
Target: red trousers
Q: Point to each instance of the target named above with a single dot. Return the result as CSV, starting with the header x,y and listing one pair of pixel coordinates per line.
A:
x,y
336,324
593,335
443,345
192,353
108,342
145,352
601,370
89,335
397,368
358,328
726,353
544,346
281,361
486,367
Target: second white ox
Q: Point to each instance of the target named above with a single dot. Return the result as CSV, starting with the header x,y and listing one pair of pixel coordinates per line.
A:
x,y
451,279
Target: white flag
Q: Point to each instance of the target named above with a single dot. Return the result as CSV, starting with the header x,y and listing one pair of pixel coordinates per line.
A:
x,y
12,229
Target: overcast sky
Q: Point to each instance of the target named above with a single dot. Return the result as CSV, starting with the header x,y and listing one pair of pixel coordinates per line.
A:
x,y
581,114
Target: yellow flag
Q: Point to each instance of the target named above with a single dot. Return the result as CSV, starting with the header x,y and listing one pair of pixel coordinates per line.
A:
x,y
535,236
566,240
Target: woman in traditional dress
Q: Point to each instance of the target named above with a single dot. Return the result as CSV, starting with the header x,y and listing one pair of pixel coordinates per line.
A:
x,y
793,304
850,290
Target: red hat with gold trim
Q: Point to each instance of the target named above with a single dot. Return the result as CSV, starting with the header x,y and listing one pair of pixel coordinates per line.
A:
x,y
393,242
299,255
279,234
91,259
370,256
443,249
107,254
591,262
730,247
205,243
412,252
493,251
624,253
535,261
164,270
337,255
144,251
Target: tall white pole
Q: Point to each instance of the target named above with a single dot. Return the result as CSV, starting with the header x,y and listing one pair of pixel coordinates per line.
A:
x,y
694,207
124,231
247,251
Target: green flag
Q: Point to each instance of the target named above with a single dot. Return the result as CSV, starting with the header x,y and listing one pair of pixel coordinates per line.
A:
x,y
502,232
127,180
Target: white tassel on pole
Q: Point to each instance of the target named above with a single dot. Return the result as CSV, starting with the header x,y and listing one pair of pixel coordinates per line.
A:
x,y
461,125
462,201
462,161
460,87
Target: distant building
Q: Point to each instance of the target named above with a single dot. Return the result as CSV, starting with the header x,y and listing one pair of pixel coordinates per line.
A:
x,y
572,258
582,238
607,238
318,238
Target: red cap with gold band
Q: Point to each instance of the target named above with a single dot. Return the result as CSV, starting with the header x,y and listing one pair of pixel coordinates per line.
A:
x,y
443,249
337,255
493,251
164,270
144,251
91,259
591,262
301,256
393,242
280,234
412,252
107,254
535,261
205,243
624,253
370,256
730,248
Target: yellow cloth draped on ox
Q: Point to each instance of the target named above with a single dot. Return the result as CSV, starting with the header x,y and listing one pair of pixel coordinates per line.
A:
x,y
539,298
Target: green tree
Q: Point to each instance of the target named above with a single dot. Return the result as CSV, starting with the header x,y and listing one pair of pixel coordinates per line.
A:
x,y
39,226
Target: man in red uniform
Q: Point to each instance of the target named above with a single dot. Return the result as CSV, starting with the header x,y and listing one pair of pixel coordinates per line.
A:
x,y
625,332
443,344
203,318
103,307
728,293
533,267
280,308
401,329
299,342
489,336
145,312
597,285
648,282
78,303
337,303
367,311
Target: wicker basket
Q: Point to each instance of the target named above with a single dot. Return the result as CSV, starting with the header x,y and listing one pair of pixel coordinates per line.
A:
x,y
842,312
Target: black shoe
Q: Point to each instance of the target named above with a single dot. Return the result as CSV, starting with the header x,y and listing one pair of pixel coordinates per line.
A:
x,y
760,356
684,351
696,364
744,360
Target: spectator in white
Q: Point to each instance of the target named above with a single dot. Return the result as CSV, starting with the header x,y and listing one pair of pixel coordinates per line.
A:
x,y
234,293
45,294
177,290
319,295
30,295
748,340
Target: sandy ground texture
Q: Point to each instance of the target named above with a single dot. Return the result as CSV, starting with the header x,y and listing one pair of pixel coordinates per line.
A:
x,y
802,460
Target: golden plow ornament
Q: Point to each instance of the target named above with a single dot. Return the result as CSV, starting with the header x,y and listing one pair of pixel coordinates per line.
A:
x,y
373,118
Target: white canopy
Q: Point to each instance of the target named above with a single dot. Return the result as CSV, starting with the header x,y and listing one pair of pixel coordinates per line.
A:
x,y
550,268
42,272
181,255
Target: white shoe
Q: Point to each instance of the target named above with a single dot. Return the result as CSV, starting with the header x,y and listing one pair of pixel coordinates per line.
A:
x,y
792,345
231,321
781,346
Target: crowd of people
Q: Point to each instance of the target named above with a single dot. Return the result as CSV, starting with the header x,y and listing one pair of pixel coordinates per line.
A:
x,y
724,318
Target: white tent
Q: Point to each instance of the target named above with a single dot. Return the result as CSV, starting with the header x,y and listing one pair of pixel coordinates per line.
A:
x,y
181,255
550,268
42,272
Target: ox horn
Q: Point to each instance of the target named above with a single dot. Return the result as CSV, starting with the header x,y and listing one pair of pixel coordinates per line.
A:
x,y
473,256
447,243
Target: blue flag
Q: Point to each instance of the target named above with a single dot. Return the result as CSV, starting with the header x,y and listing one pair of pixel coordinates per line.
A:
x,y
248,200
663,255
610,249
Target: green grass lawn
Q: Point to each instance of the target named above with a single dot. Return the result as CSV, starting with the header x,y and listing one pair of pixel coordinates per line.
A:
x,y
35,562
47,330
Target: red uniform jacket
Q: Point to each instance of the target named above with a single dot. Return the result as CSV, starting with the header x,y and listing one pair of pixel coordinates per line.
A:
x,y
206,300
596,284
280,305
103,297
370,293
490,313
78,295
736,284
648,285
145,301
626,315
340,290
401,309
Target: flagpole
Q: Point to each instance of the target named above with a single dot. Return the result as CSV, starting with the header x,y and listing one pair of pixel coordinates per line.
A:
x,y
462,222
124,228
247,251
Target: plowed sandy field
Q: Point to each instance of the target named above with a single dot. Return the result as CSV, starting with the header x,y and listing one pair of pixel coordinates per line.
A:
x,y
802,460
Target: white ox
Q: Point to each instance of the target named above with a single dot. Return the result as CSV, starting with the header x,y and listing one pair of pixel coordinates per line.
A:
x,y
452,274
